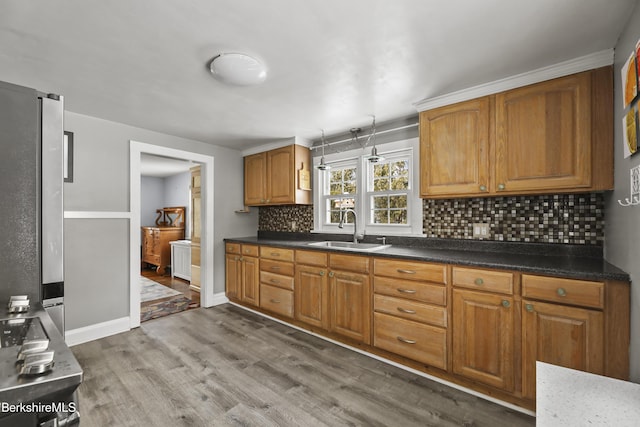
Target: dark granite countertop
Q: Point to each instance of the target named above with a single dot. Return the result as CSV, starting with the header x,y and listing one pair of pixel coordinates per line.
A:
x,y
570,261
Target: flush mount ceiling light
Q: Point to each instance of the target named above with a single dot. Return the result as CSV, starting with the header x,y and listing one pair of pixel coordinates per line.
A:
x,y
238,69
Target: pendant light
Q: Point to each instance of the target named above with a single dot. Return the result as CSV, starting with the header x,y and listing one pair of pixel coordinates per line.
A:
x,y
374,157
323,166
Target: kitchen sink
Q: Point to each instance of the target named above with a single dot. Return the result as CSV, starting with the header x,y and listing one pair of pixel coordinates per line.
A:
x,y
350,246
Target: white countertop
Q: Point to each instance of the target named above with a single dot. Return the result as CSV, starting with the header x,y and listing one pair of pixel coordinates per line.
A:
x,y
566,397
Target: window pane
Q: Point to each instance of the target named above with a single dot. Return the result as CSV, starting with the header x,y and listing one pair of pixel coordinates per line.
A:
x,y
349,188
380,170
336,188
336,175
398,201
398,216
380,217
400,168
381,202
350,174
381,184
401,183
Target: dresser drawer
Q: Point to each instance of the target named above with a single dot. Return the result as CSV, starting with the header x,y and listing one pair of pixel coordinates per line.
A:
x,y
565,291
281,254
232,248
358,264
312,258
417,341
411,310
410,270
277,300
434,294
278,280
483,280
249,250
277,267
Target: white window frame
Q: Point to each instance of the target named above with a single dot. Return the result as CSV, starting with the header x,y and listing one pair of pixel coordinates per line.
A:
x,y
414,225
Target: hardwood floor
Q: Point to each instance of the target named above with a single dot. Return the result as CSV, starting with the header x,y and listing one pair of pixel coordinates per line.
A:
x,y
176,283
224,366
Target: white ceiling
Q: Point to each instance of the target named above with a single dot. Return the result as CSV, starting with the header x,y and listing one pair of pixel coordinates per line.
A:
x,y
332,63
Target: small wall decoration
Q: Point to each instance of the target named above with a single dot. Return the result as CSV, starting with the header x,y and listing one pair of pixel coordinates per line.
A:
x,y
629,80
630,127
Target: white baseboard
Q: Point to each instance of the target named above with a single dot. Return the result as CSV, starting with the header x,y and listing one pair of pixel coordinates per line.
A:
x,y
97,331
219,298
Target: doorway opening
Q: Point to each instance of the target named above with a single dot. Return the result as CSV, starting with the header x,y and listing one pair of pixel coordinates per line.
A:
x,y
145,208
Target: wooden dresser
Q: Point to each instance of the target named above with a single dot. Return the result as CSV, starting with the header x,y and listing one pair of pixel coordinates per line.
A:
x,y
156,249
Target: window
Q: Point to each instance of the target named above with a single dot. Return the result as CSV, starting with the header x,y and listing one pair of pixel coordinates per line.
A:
x,y
383,194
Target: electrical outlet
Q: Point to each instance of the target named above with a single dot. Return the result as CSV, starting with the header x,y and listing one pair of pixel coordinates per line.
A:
x,y
294,226
480,230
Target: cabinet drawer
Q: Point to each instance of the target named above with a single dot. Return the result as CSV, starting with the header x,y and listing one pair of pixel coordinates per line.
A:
x,y
312,258
565,291
277,267
250,250
232,248
411,310
278,280
358,264
277,300
434,294
410,270
423,343
483,280
276,253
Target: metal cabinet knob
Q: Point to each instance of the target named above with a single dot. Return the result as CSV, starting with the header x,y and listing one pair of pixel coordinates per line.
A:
x,y
479,281
505,303
331,274
529,307
321,272
561,292
483,188
501,186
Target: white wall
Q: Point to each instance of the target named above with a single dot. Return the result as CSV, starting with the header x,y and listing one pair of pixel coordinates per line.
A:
x,y
622,224
97,252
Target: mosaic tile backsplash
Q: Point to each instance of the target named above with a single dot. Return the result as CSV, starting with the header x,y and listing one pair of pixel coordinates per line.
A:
x,y
566,218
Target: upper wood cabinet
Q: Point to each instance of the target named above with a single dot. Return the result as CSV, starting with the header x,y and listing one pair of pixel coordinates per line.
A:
x,y
454,149
550,137
278,177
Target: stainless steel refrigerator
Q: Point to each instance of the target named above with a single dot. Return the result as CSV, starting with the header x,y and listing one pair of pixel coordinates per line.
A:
x,y
31,198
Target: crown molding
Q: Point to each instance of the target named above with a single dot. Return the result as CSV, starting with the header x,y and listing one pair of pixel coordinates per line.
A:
x,y
561,69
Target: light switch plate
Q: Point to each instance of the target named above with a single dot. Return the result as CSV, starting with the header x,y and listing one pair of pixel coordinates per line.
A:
x,y
480,230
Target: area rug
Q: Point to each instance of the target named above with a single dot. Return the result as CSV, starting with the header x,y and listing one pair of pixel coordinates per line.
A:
x,y
158,300
150,290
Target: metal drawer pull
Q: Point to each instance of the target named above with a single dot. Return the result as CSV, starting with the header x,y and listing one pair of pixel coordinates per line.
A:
x,y
274,281
275,267
275,254
506,303
275,301
479,281
561,292
400,270
407,291
406,341
529,307
404,310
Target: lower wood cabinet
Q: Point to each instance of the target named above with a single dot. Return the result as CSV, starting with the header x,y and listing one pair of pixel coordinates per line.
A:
x,y
483,327
561,335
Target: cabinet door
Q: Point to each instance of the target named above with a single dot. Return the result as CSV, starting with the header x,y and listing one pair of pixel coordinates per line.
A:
x,y
454,144
233,268
350,305
543,136
255,184
250,283
483,337
280,175
566,336
311,295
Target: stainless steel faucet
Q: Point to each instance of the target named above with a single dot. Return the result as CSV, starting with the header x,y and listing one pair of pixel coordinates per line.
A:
x,y
343,216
